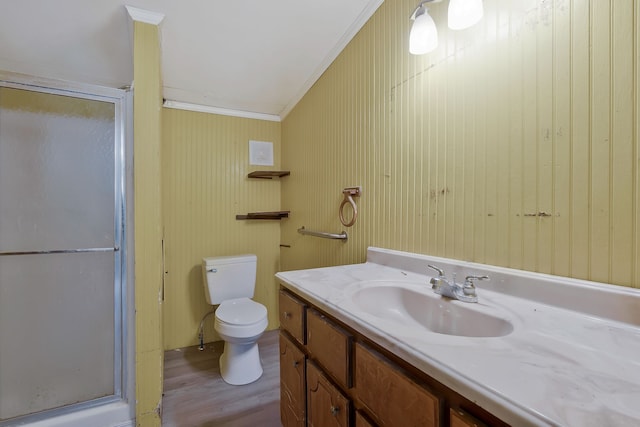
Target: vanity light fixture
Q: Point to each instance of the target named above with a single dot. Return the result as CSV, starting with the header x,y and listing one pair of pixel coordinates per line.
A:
x,y
423,37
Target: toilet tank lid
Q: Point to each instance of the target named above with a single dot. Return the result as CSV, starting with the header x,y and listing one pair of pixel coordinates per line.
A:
x,y
234,259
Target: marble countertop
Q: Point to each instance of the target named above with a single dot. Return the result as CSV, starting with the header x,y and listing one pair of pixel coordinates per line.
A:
x,y
559,366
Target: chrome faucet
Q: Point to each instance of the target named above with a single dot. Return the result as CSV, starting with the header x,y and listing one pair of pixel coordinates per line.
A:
x,y
451,289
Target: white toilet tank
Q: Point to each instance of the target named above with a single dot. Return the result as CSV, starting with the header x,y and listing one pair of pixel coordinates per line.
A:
x,y
229,277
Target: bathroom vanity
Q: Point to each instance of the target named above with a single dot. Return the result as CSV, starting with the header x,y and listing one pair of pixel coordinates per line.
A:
x,y
372,344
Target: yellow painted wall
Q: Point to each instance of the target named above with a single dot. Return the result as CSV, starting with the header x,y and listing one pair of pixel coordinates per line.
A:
x,y
147,103
204,185
516,143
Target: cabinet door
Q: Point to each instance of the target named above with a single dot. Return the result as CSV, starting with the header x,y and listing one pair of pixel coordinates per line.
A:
x,y
292,384
330,345
391,396
292,315
326,405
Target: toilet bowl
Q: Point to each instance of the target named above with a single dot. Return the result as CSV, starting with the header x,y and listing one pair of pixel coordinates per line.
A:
x,y
240,322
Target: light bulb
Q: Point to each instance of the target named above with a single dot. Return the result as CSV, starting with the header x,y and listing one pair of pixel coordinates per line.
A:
x,y
464,13
424,35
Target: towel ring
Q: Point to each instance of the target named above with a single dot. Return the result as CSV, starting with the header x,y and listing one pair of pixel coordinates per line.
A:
x,y
348,193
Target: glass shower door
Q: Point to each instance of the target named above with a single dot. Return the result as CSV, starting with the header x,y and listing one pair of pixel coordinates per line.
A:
x,y
60,258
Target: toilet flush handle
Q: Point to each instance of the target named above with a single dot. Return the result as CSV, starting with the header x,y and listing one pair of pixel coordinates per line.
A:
x,y
212,270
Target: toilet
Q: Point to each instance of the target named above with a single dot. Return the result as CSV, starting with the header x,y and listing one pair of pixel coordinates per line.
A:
x,y
230,282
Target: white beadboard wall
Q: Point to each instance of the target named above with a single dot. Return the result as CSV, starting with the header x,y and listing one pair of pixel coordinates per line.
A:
x,y
516,143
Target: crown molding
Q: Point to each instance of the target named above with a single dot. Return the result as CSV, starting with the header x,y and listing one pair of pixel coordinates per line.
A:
x,y
146,16
221,111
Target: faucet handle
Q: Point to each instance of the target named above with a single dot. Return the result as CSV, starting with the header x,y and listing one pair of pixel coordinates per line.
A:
x,y
439,270
469,287
436,282
469,279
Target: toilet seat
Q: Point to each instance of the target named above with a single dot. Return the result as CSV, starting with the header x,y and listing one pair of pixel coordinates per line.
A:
x,y
241,311
240,318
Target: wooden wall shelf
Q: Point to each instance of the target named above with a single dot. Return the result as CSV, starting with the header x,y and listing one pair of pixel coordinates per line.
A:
x,y
265,215
268,174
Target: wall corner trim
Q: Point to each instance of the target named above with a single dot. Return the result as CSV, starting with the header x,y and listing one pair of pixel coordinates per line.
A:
x,y
146,16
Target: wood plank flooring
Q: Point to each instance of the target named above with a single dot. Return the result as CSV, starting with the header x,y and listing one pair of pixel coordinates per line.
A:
x,y
196,396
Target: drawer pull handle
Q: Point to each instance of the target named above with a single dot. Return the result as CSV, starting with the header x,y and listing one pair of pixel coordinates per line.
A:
x,y
334,410
286,315
295,363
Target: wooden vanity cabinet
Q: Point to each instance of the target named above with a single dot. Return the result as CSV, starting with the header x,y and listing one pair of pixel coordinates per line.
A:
x,y
315,367
330,345
390,395
292,312
293,384
331,375
327,406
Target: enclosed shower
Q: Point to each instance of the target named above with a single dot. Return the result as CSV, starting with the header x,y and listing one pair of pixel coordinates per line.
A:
x,y
65,293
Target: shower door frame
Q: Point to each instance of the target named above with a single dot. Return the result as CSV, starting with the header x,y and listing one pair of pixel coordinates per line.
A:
x,y
119,407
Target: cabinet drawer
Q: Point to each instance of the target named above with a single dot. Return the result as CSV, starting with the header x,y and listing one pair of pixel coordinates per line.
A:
x,y
330,345
326,405
292,315
459,418
292,384
392,397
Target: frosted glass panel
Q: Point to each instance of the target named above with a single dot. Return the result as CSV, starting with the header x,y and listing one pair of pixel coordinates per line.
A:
x,y
56,172
56,330
59,338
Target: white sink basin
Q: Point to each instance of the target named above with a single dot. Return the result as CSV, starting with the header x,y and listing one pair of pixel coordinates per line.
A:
x,y
401,304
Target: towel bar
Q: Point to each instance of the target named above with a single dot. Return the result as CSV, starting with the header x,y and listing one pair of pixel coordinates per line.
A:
x,y
342,236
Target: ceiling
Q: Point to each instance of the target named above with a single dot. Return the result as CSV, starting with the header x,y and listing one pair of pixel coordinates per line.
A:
x,y
241,57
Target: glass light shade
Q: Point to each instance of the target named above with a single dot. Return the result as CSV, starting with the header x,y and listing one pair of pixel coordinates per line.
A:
x,y
424,35
464,13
